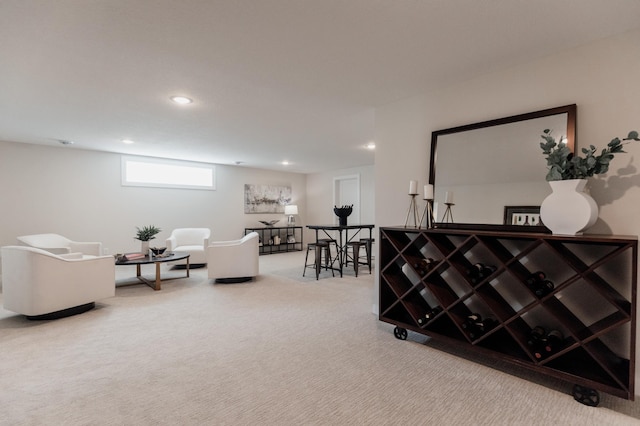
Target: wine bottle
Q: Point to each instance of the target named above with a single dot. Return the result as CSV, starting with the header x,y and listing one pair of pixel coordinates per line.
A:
x,y
427,264
537,341
479,271
536,334
471,320
488,324
423,265
474,272
429,315
479,328
554,341
472,325
543,288
535,278
432,314
488,270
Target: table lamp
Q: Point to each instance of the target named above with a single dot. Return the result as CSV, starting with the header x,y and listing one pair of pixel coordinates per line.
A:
x,y
291,210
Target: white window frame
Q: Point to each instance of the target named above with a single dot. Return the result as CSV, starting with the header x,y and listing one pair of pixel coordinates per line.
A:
x,y
162,162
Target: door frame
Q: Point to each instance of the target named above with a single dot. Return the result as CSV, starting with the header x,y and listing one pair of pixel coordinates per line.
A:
x,y
336,183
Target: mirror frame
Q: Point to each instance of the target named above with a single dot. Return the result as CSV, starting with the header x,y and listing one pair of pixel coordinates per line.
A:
x,y
570,110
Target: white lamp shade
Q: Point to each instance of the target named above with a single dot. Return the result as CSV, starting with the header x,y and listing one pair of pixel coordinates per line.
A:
x,y
291,209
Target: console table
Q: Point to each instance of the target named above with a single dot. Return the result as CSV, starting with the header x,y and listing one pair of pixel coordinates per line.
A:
x,y
290,238
429,284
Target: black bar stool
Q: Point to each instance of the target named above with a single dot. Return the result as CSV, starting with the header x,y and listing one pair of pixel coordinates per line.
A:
x,y
355,255
330,260
319,248
368,245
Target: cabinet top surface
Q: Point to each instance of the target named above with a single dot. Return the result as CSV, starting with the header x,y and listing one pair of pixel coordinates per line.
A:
x,y
512,234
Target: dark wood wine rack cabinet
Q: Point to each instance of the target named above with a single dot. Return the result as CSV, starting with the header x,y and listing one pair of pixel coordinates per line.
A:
x,y
592,303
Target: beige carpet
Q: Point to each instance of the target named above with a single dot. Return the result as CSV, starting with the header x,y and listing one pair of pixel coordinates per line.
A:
x,y
279,351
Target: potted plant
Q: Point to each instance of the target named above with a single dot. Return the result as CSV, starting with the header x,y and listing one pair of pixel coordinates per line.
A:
x,y
146,234
564,164
569,210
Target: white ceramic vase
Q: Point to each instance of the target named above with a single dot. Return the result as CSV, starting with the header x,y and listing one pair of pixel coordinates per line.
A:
x,y
144,247
568,210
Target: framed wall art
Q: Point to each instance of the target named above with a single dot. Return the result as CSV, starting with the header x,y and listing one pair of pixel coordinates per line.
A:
x,y
266,198
522,215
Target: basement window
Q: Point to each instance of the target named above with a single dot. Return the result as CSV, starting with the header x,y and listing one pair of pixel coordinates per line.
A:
x,y
162,173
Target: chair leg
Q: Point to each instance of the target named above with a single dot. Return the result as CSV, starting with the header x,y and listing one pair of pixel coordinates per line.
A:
x,y
356,256
318,262
327,257
368,247
328,261
306,260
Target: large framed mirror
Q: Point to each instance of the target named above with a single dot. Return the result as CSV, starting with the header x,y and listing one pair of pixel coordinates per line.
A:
x,y
495,166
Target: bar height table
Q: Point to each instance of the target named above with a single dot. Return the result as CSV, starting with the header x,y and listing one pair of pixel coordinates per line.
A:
x,y
343,240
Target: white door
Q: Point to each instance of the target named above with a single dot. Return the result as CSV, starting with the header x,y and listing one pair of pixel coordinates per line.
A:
x,y
347,192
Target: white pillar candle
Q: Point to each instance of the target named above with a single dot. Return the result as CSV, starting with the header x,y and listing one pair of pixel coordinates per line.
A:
x,y
428,192
413,187
448,197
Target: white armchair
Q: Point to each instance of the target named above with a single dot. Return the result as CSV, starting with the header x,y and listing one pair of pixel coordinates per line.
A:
x,y
57,244
190,240
234,261
43,285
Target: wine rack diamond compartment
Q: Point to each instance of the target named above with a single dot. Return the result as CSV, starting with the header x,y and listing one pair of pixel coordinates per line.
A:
x,y
562,306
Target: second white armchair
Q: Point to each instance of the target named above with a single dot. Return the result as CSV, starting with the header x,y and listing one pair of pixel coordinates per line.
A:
x,y
57,244
190,240
234,261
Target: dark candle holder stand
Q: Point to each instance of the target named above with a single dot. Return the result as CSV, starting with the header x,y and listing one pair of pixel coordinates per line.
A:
x,y
427,214
448,216
413,208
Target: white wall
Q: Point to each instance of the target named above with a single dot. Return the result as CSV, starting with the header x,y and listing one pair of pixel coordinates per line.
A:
x,y
77,193
601,78
320,196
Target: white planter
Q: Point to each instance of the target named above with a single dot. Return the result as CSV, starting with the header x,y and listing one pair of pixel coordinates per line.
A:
x,y
144,247
568,210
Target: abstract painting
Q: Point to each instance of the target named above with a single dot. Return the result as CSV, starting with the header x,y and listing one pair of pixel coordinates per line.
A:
x,y
266,198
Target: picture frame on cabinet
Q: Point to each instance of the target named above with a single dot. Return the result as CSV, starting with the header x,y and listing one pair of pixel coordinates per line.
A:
x,y
522,215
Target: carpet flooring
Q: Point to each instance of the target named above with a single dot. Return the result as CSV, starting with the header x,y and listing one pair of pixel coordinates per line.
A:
x,y
282,350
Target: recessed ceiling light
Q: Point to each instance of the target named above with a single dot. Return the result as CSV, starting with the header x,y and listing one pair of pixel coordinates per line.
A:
x,y
371,145
127,141
285,163
65,142
182,100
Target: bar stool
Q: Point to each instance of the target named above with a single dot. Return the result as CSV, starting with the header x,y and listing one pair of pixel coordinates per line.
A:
x,y
318,248
329,258
355,255
368,245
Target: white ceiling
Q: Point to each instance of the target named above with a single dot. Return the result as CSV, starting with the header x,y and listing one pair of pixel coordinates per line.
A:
x,y
271,79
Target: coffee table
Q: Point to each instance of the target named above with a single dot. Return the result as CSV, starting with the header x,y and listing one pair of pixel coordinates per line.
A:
x,y
167,257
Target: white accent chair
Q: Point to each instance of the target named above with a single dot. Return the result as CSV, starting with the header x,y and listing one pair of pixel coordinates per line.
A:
x,y
234,261
57,244
191,240
43,285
